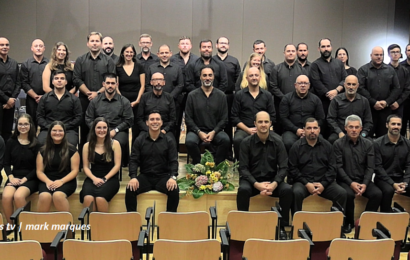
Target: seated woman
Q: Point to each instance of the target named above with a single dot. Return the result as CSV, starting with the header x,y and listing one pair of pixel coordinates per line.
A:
x,y
21,152
101,162
59,60
254,60
58,163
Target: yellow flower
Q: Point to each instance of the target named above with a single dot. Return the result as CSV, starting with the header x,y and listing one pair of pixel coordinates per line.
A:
x,y
227,185
217,174
209,187
211,181
208,172
207,163
203,187
188,176
211,164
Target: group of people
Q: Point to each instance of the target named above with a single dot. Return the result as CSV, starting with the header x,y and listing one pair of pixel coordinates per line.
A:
x,y
296,107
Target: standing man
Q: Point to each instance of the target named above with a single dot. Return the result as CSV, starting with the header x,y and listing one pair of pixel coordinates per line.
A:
x,y
145,57
31,77
303,53
156,155
193,72
206,115
380,85
88,77
355,167
9,88
295,108
233,70
259,47
392,159
263,165
406,116
108,48
327,76
406,62
346,104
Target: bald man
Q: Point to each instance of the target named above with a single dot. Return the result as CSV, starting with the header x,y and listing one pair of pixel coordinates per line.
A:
x,y
31,77
108,48
379,83
9,88
295,108
345,104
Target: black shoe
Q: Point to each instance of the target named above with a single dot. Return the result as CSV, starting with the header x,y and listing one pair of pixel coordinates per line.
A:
x,y
282,234
347,228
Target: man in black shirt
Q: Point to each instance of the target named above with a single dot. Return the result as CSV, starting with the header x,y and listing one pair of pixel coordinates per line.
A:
x,y
346,104
303,53
392,160
295,108
156,156
355,167
233,70
259,47
116,109
108,48
88,77
193,71
312,168
145,57
327,77
206,114
406,116
59,105
406,62
9,88
263,164
246,104
31,77
380,85
158,100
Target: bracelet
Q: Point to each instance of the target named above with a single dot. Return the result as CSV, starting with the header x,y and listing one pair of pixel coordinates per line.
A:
x,y
337,91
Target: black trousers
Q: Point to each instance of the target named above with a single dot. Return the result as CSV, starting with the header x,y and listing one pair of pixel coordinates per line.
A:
x,y
388,193
237,140
147,183
31,109
6,122
333,192
373,193
283,192
289,138
229,127
83,126
379,121
221,141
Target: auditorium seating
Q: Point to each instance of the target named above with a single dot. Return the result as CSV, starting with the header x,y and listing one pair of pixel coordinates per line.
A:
x,y
261,249
97,250
28,249
343,249
208,249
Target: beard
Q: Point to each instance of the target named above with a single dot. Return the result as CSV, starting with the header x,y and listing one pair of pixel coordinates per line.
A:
x,y
222,51
145,49
207,85
326,54
108,51
302,59
158,88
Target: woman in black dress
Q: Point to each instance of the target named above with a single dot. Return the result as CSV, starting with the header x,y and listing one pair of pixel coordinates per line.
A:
x,y
101,162
21,152
131,80
343,56
58,163
60,60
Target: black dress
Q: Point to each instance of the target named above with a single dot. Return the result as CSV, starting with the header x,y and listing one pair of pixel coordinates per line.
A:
x,y
53,173
101,168
23,159
351,71
68,76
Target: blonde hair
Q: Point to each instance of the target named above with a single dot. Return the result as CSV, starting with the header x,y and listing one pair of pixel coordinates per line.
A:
x,y
262,82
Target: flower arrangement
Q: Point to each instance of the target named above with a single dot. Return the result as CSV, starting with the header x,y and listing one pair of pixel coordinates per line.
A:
x,y
206,177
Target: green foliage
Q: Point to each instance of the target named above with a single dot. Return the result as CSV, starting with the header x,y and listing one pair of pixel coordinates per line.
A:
x,y
207,157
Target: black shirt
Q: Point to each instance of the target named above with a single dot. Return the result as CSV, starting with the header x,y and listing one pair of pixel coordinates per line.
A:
x,y
67,109
152,58
406,64
378,84
193,73
233,69
164,103
340,108
260,162
22,158
206,113
306,67
326,76
52,170
115,58
309,164
268,66
294,110
283,78
354,162
157,158
31,74
132,82
117,111
404,81
68,76
392,160
239,81
90,71
351,71
178,59
174,80
245,106
9,80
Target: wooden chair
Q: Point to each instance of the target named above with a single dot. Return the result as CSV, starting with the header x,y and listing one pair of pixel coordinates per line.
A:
x,y
325,226
243,225
396,223
343,249
97,250
183,226
3,234
21,250
208,249
260,249
116,226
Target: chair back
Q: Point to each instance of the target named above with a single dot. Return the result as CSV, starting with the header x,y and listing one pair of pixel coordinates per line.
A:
x,y
260,249
183,226
396,223
97,250
342,249
29,249
244,225
113,226
208,249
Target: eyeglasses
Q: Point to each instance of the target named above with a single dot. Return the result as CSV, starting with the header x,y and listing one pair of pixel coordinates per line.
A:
x,y
157,80
23,125
145,43
303,83
395,52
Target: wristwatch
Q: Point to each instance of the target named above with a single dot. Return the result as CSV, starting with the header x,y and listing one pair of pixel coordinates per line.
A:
x,y
116,130
174,177
98,92
363,135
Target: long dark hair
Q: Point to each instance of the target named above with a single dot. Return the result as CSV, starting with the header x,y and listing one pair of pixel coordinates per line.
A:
x,y
53,60
49,148
92,141
31,133
121,60
347,54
